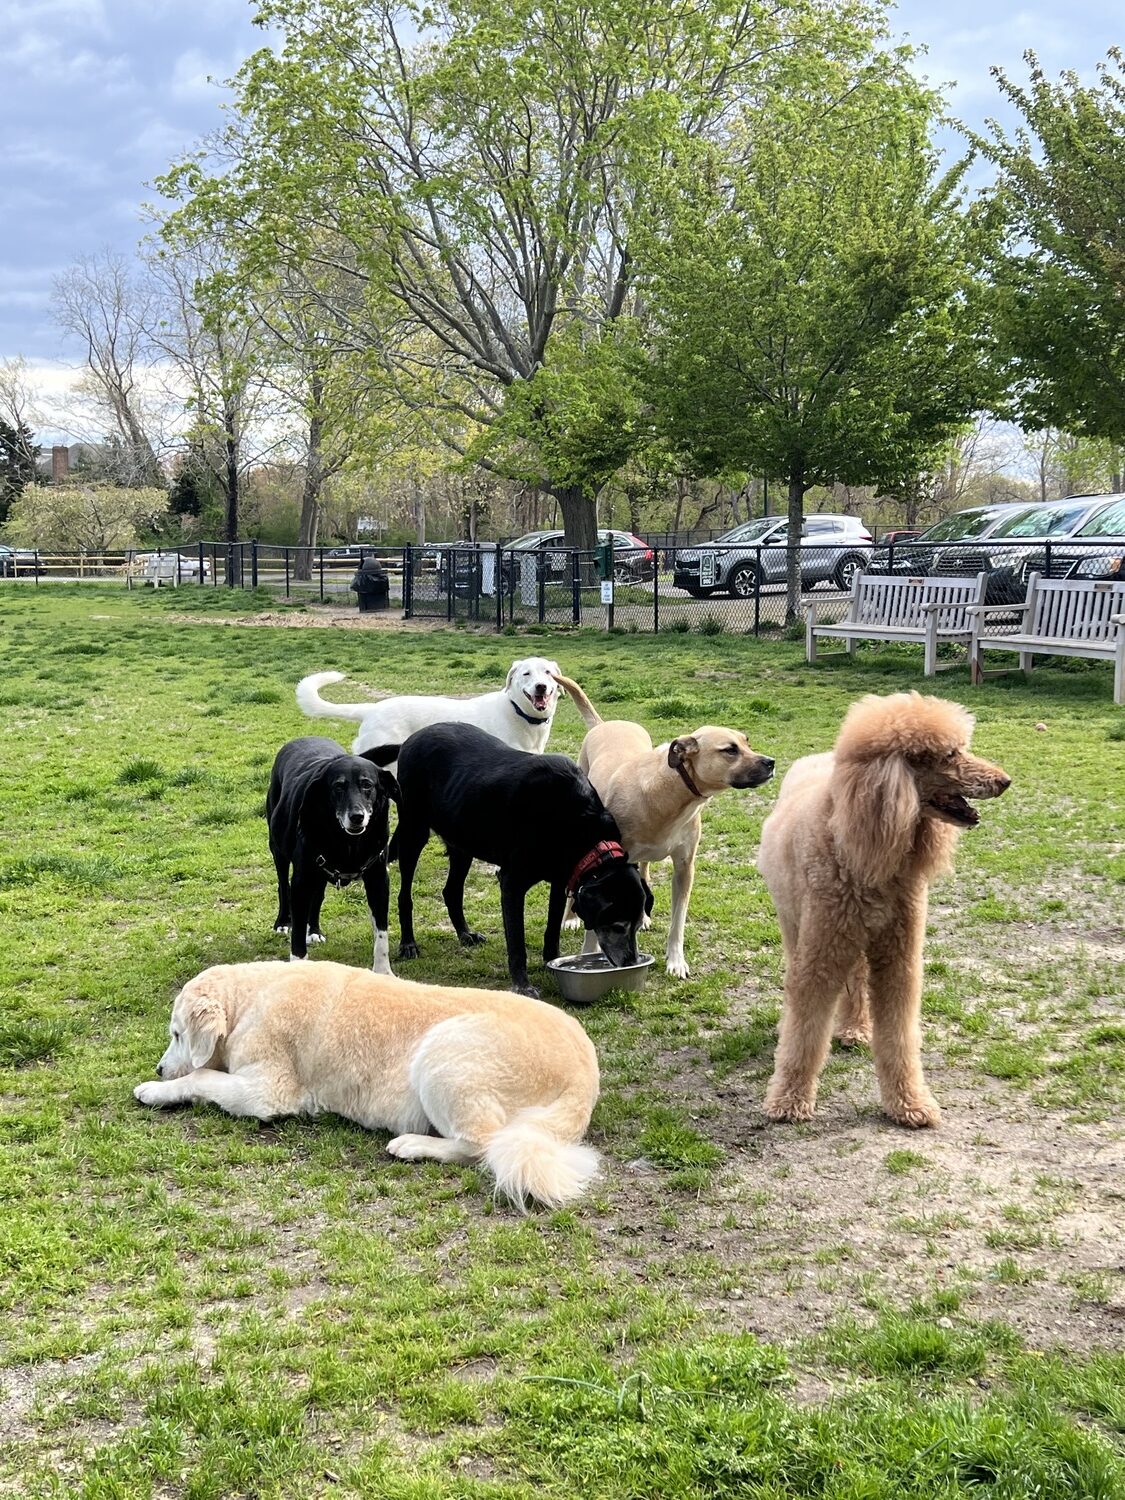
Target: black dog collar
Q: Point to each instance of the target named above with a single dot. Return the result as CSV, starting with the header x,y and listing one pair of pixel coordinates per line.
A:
x,y
345,877
687,781
526,717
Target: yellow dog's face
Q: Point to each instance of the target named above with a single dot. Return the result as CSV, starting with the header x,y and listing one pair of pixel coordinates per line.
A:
x,y
198,1025
718,758
947,776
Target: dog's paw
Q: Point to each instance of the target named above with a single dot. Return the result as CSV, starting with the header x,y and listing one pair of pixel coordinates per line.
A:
x,y
853,1036
471,939
526,989
677,966
788,1108
410,1147
314,936
408,950
151,1094
646,922
917,1111
572,924
279,927
298,958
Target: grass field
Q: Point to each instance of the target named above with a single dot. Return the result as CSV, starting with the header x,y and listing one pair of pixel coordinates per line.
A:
x,y
192,1305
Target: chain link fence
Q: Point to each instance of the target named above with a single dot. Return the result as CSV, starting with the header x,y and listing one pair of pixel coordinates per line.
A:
x,y
670,586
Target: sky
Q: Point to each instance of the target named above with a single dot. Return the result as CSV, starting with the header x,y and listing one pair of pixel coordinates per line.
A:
x,y
101,95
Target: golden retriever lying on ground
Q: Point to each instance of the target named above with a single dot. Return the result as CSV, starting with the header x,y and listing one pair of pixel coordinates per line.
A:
x,y
848,854
501,1078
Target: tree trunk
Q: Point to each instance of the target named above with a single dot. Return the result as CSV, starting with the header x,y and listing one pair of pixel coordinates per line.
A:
x,y
797,488
309,524
419,512
580,526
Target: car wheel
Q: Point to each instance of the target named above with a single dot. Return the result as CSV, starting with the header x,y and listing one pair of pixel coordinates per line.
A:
x,y
621,574
743,581
846,570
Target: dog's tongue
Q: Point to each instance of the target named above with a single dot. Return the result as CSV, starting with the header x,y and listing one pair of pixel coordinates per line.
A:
x,y
540,701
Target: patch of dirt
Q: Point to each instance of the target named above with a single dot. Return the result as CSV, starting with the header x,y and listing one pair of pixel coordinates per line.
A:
x,y
327,618
809,1222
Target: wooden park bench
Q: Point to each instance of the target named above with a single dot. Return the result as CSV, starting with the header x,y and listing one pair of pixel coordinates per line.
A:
x,y
922,611
1061,617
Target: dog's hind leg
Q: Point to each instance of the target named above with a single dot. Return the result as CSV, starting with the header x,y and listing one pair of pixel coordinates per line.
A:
x,y
378,889
643,869
453,894
281,862
814,977
853,1014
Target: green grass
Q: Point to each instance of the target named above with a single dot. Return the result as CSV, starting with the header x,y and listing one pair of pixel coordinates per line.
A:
x,y
198,1306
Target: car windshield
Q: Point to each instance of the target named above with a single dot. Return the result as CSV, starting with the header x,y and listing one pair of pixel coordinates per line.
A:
x,y
751,531
962,527
1043,520
1110,522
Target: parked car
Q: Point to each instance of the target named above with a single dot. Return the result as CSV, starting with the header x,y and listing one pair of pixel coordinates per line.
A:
x,y
15,561
833,550
1101,553
919,554
1008,547
633,560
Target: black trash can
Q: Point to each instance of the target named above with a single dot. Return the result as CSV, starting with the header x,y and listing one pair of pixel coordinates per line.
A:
x,y
372,586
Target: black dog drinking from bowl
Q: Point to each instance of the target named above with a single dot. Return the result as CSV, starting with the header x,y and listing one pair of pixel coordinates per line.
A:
x,y
328,818
535,816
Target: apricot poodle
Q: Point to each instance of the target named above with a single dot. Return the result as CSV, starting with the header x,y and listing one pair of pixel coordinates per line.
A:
x,y
848,855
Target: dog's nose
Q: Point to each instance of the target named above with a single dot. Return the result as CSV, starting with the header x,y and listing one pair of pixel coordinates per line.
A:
x,y
540,689
160,1070
1005,782
767,764
355,820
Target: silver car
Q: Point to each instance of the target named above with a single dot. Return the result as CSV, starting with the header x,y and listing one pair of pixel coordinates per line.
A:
x,y
833,550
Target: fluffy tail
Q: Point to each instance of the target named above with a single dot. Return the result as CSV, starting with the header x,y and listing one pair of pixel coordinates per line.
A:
x,y
589,713
310,702
528,1160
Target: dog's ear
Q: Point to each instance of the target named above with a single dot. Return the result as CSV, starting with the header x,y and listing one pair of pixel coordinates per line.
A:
x,y
511,677
205,1022
388,785
875,816
381,755
680,749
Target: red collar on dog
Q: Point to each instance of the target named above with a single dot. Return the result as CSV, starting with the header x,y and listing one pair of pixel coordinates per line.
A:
x,y
600,854
687,781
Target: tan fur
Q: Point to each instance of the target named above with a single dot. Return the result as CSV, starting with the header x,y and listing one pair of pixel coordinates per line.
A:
x,y
657,813
500,1078
848,854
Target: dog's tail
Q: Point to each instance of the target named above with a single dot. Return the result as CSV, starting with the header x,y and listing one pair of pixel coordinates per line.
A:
x,y
310,702
589,713
530,1159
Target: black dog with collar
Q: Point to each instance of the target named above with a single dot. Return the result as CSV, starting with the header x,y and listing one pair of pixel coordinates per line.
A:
x,y
328,819
536,816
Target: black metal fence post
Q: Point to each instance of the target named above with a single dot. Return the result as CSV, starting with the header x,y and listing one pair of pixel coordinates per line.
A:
x,y
37,567
1047,558
655,592
499,583
541,585
575,588
321,551
407,582
287,572
758,595
254,563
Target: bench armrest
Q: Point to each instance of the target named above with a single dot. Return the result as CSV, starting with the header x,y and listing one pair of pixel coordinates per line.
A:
x,y
1117,619
995,609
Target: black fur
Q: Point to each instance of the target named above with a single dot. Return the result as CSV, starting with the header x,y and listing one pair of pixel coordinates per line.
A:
x,y
316,789
533,815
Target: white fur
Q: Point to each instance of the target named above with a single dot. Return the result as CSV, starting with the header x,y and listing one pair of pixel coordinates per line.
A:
x,y
390,721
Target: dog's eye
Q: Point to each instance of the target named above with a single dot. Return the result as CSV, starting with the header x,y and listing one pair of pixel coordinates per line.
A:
x,y
730,749
175,1036
951,754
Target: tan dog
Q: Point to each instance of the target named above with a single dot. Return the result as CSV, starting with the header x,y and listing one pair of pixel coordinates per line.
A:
x,y
657,794
848,854
501,1078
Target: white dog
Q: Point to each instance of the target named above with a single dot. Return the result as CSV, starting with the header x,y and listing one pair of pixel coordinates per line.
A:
x,y
502,1079
520,713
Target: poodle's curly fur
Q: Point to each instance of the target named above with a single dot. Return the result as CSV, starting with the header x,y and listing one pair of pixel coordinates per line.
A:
x,y
848,854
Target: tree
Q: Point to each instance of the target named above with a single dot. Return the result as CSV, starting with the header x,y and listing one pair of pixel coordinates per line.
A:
x,y
818,299
108,305
19,454
1060,285
84,518
475,167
